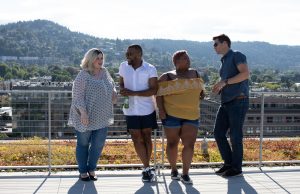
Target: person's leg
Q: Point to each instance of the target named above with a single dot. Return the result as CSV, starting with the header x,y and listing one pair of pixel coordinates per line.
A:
x,y
140,145
220,130
188,137
98,138
140,128
172,135
237,112
146,134
82,147
148,123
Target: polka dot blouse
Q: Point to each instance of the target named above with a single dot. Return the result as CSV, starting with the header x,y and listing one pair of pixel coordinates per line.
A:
x,y
94,96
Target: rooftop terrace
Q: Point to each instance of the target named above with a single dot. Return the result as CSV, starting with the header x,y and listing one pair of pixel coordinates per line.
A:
x,y
254,180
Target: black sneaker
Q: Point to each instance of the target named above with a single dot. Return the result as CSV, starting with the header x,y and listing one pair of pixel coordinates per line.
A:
x,y
152,169
223,169
175,175
145,175
84,177
151,172
232,172
186,179
93,176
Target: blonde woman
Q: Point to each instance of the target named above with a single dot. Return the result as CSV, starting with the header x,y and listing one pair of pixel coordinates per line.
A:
x,y
91,111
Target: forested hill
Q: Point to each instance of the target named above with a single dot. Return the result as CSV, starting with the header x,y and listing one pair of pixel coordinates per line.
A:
x,y
48,40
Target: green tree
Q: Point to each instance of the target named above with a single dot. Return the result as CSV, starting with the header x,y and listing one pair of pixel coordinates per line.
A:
x,y
3,69
286,82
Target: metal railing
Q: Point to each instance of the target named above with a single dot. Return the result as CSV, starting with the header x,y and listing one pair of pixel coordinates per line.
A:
x,y
44,113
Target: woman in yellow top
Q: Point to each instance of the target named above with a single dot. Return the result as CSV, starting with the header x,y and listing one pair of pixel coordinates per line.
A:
x,y
178,100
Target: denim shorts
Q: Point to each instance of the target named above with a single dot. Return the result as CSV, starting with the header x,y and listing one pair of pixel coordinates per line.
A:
x,y
175,122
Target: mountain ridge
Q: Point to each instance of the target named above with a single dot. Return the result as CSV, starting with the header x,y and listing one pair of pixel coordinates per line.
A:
x,y
44,38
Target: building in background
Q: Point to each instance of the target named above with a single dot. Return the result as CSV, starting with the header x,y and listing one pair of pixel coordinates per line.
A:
x,y
281,116
34,100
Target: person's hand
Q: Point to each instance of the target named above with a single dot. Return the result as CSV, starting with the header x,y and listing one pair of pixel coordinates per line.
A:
x,y
84,118
218,87
202,95
162,114
126,92
114,97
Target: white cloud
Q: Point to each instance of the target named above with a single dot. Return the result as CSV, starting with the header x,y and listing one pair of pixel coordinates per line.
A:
x,y
273,21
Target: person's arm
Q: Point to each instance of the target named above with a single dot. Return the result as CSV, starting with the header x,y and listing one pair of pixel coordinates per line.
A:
x,y
121,79
161,107
114,97
121,83
202,92
160,100
78,94
152,82
121,86
241,76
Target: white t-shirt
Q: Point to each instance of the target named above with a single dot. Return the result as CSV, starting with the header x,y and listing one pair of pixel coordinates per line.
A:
x,y
138,80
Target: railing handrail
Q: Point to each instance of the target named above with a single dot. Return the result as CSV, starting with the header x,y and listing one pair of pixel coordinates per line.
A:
x,y
50,93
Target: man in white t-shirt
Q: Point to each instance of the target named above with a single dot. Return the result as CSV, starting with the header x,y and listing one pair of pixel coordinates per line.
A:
x,y
138,81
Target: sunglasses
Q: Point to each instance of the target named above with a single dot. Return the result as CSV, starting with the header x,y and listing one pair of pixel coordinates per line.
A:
x,y
217,43
97,51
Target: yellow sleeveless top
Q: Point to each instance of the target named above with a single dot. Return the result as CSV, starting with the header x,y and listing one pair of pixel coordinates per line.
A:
x,y
182,97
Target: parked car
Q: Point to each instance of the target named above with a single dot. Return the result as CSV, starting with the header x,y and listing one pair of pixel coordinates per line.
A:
x,y
3,129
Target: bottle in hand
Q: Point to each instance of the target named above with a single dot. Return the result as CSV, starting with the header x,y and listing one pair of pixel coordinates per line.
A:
x,y
126,102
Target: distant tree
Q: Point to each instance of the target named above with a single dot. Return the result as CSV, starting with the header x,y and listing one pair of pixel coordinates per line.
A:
x,y
43,71
61,76
286,82
297,77
268,78
205,78
72,71
54,68
8,76
3,69
254,78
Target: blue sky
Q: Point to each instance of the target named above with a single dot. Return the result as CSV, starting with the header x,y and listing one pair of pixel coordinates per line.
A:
x,y
273,21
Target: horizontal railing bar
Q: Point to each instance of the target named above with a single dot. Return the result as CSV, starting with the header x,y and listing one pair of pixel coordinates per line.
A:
x,y
141,165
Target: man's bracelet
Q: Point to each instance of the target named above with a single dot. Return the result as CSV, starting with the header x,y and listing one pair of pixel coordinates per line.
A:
x,y
226,82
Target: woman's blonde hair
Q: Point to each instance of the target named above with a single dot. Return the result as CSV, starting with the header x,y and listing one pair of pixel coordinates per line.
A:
x,y
89,58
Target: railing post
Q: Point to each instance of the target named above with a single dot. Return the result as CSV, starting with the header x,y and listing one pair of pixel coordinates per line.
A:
x,y
162,147
262,115
49,131
159,162
155,148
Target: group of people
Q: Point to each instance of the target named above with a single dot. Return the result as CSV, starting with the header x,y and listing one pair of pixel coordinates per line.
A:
x,y
175,97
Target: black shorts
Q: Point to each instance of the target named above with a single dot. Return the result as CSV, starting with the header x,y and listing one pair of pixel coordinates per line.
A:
x,y
142,122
